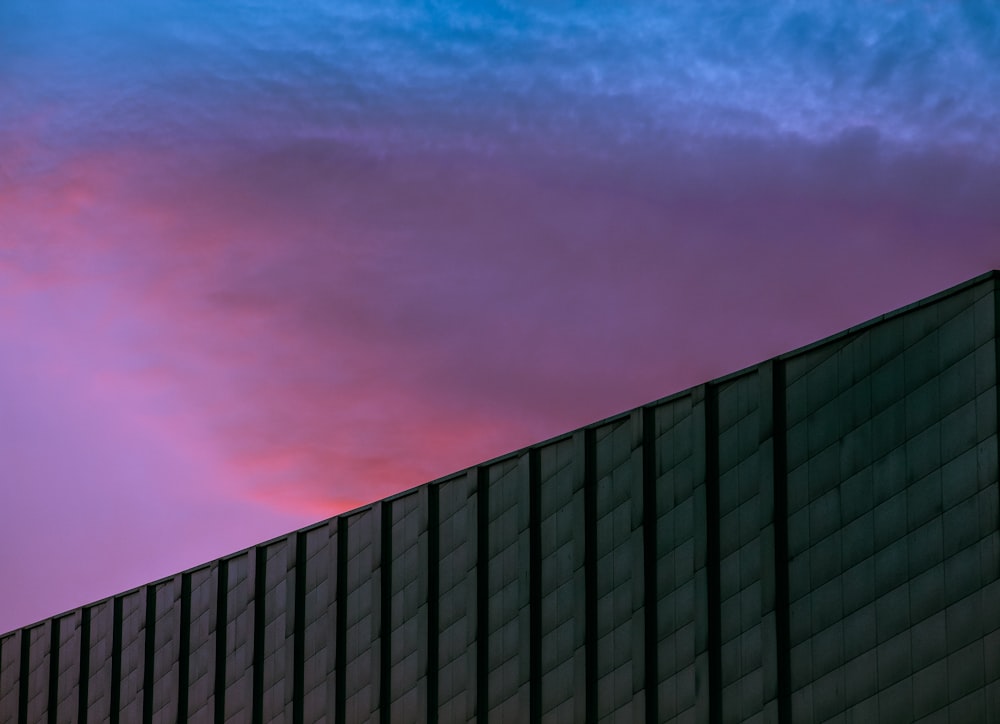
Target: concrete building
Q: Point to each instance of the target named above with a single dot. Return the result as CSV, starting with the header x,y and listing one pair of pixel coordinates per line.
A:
x,y
813,539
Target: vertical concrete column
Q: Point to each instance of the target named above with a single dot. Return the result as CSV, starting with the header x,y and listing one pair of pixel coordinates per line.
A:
x,y
39,646
406,695
774,546
991,552
131,658
316,577
163,651
10,676
744,500
66,672
363,671
275,629
383,537
432,628
534,610
706,621
53,677
636,547
650,556
525,555
236,627
96,662
996,444
562,595
458,502
508,619
201,585
586,466
221,634
619,550
340,652
675,462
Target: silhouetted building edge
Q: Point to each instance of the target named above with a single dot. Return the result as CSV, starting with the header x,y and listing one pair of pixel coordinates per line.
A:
x,y
814,538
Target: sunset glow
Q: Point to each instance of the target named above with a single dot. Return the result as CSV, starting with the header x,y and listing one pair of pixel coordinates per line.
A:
x,y
261,263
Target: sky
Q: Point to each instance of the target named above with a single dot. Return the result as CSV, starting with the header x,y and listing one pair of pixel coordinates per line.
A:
x,y
263,262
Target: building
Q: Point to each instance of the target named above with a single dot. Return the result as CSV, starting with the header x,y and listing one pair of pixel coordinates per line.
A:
x,y
816,538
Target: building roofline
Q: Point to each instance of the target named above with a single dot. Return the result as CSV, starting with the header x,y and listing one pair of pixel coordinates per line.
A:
x,y
992,275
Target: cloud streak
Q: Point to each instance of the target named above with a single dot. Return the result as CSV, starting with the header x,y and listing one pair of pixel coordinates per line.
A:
x,y
482,72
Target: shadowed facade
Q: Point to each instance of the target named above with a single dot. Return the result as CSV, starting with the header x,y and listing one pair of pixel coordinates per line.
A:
x,y
816,538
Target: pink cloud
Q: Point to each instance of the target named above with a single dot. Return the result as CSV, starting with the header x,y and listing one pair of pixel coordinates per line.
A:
x,y
216,344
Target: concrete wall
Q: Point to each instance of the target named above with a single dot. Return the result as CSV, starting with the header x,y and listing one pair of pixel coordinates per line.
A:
x,y
812,539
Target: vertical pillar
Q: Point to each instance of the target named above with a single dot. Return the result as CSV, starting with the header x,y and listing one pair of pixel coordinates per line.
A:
x,y
482,591
203,673
713,597
587,450
650,549
705,620
10,677
534,587
319,624
68,642
432,627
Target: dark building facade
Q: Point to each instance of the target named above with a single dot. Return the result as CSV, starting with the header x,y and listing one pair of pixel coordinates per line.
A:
x,y
813,539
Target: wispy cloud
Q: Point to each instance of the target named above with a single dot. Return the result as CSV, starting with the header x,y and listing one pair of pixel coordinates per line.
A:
x,y
485,72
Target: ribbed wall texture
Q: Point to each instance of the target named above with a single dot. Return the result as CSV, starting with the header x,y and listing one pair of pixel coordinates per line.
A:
x,y
813,539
